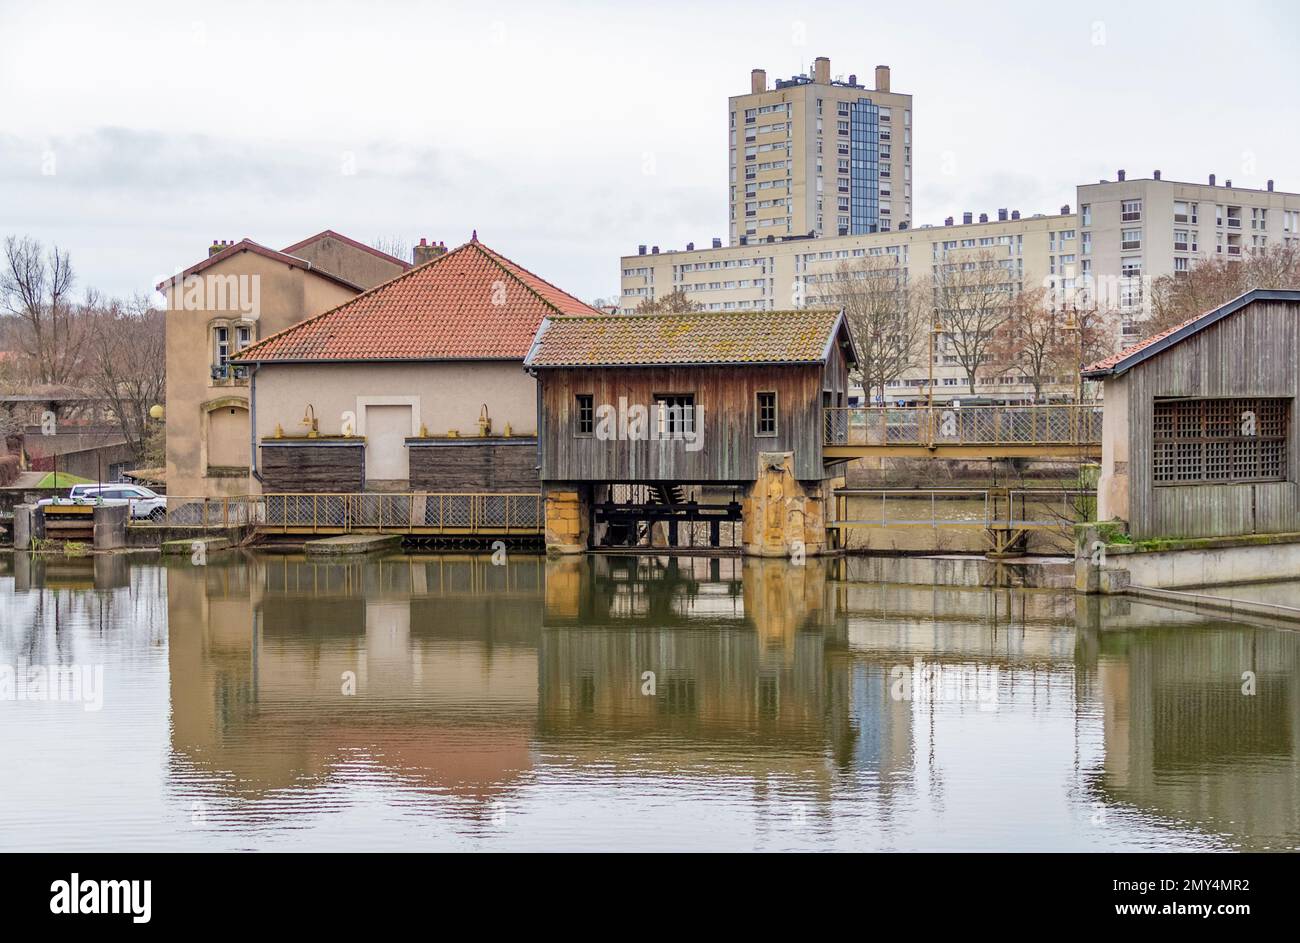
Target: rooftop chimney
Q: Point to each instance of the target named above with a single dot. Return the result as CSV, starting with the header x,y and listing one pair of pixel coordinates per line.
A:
x,y
822,70
1270,186
966,218
654,250
640,250
757,81
690,247
1211,179
717,242
1227,183
882,78
1015,214
427,251
1119,175
1156,174
1065,209
1002,216
984,217
947,221
853,79
217,246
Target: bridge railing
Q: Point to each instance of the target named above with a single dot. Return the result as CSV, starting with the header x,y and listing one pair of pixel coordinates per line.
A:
x,y
424,512
1064,424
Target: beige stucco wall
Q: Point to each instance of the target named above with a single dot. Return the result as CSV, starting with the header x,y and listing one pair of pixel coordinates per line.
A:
x,y
227,437
357,266
1113,483
284,296
441,396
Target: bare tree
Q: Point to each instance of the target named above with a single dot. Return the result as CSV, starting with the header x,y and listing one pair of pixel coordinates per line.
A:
x,y
126,358
886,315
675,302
395,246
1211,282
36,288
972,295
1029,341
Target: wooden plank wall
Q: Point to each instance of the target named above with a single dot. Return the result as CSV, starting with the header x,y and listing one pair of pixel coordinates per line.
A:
x,y
1252,352
730,448
300,467
474,466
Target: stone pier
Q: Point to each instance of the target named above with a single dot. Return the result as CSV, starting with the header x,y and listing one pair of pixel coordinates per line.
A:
x,y
567,519
783,516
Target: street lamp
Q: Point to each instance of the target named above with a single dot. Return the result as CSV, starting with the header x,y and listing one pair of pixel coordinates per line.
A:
x,y
935,329
1073,323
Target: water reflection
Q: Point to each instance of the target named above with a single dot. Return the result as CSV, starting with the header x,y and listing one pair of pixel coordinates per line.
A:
x,y
442,701
1184,742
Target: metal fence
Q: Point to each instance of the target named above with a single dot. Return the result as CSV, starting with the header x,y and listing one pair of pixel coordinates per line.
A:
x,y
413,512
986,508
1067,424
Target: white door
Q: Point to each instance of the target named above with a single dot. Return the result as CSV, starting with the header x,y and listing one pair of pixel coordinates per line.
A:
x,y
387,428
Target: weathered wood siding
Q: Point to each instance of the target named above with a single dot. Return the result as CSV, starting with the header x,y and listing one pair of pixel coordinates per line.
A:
x,y
729,446
316,468
474,466
1252,352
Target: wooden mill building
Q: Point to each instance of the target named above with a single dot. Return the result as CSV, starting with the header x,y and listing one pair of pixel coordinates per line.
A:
x,y
1200,436
716,400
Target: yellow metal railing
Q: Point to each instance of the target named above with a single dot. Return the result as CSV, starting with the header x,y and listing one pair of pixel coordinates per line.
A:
x,y
340,512
1047,425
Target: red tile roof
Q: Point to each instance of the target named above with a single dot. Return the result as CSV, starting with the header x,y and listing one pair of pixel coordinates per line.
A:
x,y
331,234
741,337
469,304
248,245
1134,354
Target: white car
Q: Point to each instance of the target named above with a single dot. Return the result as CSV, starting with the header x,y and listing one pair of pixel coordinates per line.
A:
x,y
145,504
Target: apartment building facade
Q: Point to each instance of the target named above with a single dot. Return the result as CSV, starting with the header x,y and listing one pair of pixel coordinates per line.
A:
x,y
817,155
1135,230
1036,251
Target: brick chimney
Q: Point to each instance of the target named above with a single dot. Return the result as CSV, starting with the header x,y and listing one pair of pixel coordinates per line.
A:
x,y
882,78
757,81
822,70
427,251
218,245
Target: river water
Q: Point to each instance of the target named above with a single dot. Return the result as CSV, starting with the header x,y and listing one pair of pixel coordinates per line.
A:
x,y
444,702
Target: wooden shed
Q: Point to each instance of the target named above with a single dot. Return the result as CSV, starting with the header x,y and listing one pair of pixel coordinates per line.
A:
x,y
687,398
646,421
1199,435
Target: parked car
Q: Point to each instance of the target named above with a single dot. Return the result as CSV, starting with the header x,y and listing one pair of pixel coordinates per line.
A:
x,y
144,504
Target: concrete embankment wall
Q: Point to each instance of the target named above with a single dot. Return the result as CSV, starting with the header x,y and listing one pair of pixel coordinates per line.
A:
x,y
1103,566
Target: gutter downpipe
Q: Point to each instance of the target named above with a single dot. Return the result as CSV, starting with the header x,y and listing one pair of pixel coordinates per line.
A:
x,y
252,422
538,400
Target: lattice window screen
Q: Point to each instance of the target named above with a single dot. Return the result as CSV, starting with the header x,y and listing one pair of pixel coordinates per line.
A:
x,y
1226,440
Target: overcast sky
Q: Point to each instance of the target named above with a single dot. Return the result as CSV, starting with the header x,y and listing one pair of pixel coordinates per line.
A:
x,y
567,133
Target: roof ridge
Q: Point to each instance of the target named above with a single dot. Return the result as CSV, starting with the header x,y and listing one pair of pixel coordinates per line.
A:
x,y
748,312
1156,343
355,243
247,244
505,263
369,291
500,263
